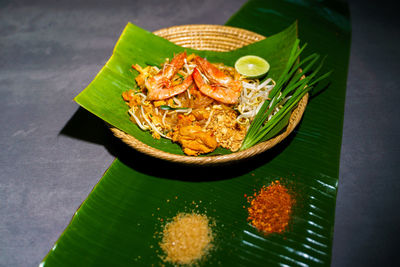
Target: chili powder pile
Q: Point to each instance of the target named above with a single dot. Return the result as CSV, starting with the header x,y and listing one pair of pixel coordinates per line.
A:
x,y
270,209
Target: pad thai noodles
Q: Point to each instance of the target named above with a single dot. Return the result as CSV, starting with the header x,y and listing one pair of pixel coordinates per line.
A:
x,y
196,103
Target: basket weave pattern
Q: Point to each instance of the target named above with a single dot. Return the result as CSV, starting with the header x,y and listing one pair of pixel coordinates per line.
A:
x,y
214,38
209,37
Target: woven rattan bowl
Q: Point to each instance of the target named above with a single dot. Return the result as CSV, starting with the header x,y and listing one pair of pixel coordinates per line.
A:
x,y
215,38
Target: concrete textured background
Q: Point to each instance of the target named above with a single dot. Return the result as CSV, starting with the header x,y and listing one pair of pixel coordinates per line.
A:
x,y
51,50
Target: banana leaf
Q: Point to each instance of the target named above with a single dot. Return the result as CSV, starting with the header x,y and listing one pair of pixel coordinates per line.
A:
x,y
117,224
137,46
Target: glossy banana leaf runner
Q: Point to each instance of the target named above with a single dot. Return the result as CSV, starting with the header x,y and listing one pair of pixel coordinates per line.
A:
x,y
117,224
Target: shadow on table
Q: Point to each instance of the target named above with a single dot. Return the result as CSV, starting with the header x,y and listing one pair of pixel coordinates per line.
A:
x,y
85,126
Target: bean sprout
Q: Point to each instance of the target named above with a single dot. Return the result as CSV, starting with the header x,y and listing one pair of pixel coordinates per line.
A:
x,y
252,98
132,112
209,119
163,117
151,124
177,102
189,67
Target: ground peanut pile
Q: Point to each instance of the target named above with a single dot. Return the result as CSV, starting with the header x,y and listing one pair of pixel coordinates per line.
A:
x,y
187,238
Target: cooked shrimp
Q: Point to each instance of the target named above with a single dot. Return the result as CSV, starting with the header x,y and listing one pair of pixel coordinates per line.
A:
x,y
219,86
160,86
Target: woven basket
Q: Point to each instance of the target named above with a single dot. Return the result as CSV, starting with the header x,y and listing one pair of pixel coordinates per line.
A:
x,y
215,38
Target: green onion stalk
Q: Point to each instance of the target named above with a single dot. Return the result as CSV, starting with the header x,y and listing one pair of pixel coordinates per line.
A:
x,y
290,88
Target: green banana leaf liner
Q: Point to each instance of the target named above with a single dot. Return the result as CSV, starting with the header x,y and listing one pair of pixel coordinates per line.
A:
x,y
136,46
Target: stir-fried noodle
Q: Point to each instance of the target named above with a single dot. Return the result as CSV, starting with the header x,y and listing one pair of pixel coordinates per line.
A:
x,y
195,103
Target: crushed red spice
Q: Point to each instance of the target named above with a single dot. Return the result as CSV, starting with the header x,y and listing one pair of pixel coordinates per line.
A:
x,y
270,209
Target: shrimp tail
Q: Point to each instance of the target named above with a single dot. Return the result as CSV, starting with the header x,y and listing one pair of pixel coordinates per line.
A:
x,y
176,63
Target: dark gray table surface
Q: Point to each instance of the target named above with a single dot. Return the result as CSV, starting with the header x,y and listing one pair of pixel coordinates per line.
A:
x,y
50,51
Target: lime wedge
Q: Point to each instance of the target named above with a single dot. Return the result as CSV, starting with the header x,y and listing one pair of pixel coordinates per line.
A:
x,y
252,66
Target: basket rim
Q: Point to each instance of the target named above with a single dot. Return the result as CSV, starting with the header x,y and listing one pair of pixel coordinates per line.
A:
x,y
224,28
294,120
